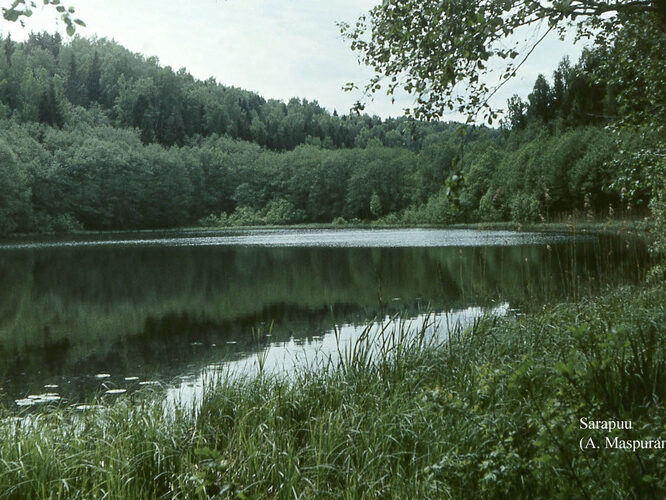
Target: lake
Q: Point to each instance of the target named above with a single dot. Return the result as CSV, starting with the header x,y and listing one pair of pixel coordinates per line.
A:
x,y
93,313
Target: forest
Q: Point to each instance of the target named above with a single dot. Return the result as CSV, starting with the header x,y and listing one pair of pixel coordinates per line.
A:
x,y
93,136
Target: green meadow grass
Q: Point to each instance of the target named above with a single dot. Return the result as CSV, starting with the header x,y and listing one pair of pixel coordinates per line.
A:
x,y
492,412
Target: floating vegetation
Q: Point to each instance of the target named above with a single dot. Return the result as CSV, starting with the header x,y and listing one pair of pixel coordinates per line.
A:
x,y
87,407
35,399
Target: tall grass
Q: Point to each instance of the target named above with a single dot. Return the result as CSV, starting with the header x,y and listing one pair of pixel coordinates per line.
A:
x,y
491,412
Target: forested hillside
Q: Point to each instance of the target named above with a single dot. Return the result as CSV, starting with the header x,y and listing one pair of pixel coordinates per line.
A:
x,y
93,136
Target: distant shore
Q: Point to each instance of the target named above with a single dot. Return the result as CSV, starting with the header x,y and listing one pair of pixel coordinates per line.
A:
x,y
631,226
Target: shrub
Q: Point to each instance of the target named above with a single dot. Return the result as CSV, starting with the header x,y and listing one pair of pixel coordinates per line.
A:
x,y
282,211
246,216
210,220
390,219
440,210
489,206
375,205
525,208
65,223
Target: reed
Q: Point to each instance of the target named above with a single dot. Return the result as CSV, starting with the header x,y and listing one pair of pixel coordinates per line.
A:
x,y
491,411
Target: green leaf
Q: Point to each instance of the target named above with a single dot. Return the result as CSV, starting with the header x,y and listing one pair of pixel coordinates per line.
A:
x,y
11,15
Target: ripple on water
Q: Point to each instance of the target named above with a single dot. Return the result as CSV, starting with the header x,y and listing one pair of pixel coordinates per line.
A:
x,y
369,238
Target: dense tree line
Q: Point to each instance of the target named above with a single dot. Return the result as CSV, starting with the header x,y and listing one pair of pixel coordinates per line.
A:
x,y
93,136
575,97
43,78
97,176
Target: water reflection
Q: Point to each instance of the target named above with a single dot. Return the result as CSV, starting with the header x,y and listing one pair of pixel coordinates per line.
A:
x,y
72,311
325,350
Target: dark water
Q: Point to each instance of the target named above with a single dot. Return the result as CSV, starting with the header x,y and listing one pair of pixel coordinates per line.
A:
x,y
86,315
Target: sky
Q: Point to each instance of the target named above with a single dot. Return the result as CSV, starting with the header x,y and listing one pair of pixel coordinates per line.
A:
x,y
277,48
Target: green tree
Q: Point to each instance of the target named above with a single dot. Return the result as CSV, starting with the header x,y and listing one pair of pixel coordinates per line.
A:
x,y
541,101
49,111
73,81
93,87
14,191
8,48
375,205
432,48
516,113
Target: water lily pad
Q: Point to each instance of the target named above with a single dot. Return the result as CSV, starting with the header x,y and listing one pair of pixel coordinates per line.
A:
x,y
34,399
87,407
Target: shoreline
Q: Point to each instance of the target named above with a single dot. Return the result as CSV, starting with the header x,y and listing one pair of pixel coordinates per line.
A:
x,y
429,414
631,226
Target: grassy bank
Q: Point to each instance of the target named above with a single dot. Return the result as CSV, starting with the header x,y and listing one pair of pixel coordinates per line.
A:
x,y
493,413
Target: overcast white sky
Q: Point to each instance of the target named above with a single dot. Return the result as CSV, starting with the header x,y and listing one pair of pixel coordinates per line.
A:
x,y
277,48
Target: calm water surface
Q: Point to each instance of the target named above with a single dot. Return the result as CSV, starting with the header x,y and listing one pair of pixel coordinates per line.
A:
x,y
90,314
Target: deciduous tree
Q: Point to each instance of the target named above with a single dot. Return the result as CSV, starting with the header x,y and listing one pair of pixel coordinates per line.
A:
x,y
433,48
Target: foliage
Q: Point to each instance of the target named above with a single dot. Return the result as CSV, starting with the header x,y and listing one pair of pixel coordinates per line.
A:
x,y
491,206
510,394
657,224
432,48
20,9
641,131
45,79
375,205
525,208
100,138
14,191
